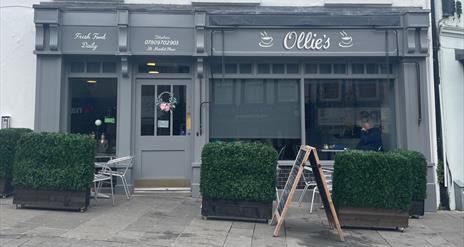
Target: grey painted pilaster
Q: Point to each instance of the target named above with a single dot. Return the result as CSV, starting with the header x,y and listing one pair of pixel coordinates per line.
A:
x,y
48,93
415,118
199,99
124,120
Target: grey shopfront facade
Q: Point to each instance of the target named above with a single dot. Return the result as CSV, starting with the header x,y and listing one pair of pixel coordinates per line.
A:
x,y
280,75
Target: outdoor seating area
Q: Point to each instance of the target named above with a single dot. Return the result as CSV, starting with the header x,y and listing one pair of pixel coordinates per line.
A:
x,y
113,168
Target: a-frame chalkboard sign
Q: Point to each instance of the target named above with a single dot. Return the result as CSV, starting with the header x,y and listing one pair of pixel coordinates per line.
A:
x,y
306,153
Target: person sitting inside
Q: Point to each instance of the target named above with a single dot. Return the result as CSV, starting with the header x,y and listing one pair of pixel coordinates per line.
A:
x,y
371,139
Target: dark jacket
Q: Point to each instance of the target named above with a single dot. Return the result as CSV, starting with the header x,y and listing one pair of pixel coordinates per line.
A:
x,y
370,139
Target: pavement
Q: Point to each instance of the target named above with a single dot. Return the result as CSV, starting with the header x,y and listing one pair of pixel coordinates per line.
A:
x,y
174,220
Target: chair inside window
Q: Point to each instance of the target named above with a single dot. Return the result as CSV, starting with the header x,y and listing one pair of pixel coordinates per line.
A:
x,y
310,183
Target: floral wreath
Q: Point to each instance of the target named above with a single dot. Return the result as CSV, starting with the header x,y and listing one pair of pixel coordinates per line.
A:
x,y
168,106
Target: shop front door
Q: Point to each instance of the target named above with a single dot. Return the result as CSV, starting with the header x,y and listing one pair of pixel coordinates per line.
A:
x,y
163,137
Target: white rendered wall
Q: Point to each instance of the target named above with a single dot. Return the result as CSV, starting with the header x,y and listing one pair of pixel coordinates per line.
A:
x,y
452,90
17,61
451,71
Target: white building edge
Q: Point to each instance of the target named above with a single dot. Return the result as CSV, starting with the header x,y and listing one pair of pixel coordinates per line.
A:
x,y
18,63
450,37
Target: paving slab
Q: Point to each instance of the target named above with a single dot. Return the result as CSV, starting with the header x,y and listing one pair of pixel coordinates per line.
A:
x,y
165,220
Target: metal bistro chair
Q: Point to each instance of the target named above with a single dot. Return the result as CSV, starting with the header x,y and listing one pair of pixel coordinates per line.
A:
x,y
307,182
328,177
122,165
98,180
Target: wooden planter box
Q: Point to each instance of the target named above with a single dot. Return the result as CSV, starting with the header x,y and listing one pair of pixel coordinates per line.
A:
x,y
236,210
51,199
376,218
416,209
6,188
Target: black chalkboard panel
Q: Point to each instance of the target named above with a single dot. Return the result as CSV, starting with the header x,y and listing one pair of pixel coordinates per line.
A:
x,y
304,154
292,179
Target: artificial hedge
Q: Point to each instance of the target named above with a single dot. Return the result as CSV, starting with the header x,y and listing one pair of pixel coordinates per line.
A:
x,y
366,179
238,171
54,161
418,164
8,144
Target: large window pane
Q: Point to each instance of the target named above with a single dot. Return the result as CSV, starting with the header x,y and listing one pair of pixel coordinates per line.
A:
x,y
147,121
269,113
91,100
163,118
335,117
180,112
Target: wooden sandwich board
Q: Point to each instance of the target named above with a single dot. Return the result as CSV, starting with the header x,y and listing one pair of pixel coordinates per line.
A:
x,y
306,153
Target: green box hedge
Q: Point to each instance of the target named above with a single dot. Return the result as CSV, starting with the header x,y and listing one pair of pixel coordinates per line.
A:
x,y
54,161
238,171
8,143
364,179
418,164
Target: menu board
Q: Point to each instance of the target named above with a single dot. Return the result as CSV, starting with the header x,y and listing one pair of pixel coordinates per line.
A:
x,y
304,154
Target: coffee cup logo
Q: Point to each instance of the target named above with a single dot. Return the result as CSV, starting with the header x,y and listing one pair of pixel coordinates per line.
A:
x,y
347,40
266,40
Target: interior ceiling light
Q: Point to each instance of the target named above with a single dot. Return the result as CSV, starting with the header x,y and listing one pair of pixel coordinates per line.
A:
x,y
153,72
151,64
92,81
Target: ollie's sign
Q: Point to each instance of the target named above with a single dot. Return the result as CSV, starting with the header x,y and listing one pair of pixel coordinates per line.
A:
x,y
306,40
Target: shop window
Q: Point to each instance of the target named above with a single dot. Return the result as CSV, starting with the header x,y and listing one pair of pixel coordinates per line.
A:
x,y
246,68
264,68
268,113
339,68
311,68
147,120
278,68
292,68
92,100
231,68
155,68
325,68
109,67
161,122
386,68
357,68
337,110
216,68
372,68
93,67
77,67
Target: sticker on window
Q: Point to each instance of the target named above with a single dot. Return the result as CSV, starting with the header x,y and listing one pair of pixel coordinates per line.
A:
x,y
163,124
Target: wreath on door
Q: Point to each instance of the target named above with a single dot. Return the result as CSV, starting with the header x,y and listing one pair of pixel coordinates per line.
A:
x,y
166,106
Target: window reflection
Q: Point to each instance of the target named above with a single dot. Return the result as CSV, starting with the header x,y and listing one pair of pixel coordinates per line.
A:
x,y
258,110
93,100
335,111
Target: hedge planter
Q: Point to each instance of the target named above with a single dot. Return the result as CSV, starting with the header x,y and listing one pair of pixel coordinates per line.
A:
x,y
417,209
238,180
8,145
236,210
54,170
52,199
373,189
374,218
6,188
